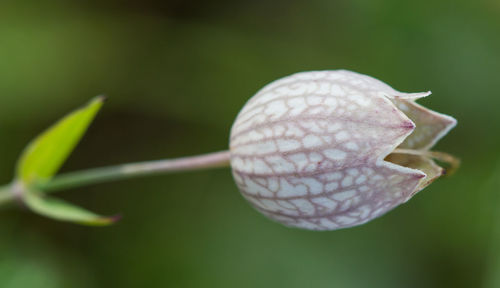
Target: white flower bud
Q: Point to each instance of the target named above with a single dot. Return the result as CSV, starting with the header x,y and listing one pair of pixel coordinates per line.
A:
x,y
313,150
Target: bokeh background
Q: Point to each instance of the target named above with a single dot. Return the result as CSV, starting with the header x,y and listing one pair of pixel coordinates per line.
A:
x,y
176,73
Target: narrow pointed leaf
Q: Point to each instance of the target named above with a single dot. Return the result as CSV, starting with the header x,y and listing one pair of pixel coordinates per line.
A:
x,y
63,211
47,153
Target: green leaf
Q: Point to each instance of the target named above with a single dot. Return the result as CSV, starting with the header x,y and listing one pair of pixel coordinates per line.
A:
x,y
63,211
47,153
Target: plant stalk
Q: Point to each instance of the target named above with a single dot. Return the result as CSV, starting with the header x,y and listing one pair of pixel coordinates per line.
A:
x,y
120,172
6,195
127,171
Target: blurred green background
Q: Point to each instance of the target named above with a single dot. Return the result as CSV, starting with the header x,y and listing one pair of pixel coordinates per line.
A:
x,y
177,73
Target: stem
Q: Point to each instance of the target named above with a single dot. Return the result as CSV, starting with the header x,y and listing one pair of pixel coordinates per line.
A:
x,y
126,171
6,194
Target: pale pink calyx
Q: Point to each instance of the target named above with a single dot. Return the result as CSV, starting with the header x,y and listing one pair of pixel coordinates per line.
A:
x,y
313,150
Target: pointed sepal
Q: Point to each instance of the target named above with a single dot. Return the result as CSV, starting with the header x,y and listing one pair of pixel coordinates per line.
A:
x,y
430,125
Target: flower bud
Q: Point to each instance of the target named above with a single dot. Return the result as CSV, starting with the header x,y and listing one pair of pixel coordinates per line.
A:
x,y
333,149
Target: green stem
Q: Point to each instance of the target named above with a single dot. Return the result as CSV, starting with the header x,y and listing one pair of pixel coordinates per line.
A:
x,y
6,195
120,172
126,171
